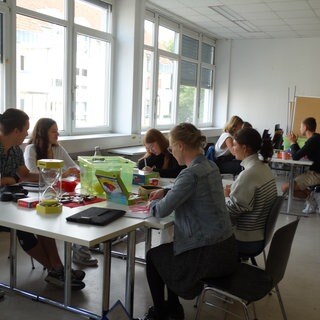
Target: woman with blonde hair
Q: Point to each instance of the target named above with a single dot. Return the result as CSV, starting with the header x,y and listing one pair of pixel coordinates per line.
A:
x,y
157,157
204,245
224,147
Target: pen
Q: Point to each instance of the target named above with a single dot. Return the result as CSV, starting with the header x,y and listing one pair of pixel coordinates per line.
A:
x,y
145,162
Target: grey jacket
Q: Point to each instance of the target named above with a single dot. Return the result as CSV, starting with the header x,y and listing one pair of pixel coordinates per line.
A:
x,y
197,199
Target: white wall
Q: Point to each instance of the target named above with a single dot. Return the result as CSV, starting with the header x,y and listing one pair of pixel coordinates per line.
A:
x,y
261,71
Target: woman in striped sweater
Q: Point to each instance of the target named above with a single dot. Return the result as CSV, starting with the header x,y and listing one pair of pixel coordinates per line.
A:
x,y
250,197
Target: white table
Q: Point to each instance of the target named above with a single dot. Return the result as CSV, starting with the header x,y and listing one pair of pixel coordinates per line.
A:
x,y
292,164
55,226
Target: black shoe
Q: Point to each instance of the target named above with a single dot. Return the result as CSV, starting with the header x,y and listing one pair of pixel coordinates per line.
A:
x,y
152,315
176,314
77,274
57,278
2,294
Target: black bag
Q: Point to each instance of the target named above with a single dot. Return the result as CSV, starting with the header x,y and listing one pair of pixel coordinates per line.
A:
x,y
12,193
96,216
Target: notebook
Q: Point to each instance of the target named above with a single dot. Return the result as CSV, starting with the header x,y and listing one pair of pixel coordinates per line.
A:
x,y
96,216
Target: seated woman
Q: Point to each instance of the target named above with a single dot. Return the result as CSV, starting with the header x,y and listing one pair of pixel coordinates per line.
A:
x,y
224,148
44,145
158,158
14,125
204,245
253,192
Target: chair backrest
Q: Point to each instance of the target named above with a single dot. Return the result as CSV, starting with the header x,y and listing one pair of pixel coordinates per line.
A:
x,y
280,251
272,219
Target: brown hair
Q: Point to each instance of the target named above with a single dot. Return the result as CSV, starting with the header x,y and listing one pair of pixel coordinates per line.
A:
x,y
233,124
12,119
40,137
251,138
310,123
188,134
152,136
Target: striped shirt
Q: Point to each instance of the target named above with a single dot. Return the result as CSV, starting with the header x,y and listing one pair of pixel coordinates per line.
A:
x,y
251,198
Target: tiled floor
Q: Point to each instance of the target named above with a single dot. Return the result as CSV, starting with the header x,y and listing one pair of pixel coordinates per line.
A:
x,y
300,288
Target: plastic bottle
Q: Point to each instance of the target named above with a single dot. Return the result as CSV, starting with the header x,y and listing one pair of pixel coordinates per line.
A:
x,y
97,156
97,151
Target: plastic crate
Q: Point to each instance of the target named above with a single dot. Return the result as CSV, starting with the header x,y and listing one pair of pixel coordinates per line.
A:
x,y
89,165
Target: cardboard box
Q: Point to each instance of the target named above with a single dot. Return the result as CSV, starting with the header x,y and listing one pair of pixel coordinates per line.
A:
x,y
141,177
115,188
28,202
89,165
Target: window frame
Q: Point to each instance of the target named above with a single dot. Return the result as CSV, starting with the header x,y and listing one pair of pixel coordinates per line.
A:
x,y
158,21
5,48
69,74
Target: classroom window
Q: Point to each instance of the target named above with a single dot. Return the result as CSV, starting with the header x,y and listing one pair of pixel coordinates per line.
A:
x,y
71,41
147,87
177,75
167,83
91,15
40,46
92,83
55,8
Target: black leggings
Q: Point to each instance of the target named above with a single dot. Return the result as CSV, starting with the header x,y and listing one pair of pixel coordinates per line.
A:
x,y
157,285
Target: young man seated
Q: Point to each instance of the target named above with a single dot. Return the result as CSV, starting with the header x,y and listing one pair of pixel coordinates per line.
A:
x,y
311,149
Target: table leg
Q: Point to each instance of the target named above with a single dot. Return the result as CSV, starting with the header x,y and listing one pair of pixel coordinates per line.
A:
x,y
106,276
148,233
67,273
13,258
131,253
291,189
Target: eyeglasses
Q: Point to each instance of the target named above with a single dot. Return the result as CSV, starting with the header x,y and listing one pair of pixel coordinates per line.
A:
x,y
150,146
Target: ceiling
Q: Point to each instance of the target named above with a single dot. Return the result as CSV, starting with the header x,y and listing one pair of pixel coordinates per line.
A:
x,y
248,19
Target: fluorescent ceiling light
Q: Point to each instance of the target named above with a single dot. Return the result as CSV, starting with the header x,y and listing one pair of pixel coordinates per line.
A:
x,y
234,17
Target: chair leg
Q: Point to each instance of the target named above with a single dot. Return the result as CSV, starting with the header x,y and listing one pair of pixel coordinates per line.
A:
x,y
245,311
254,311
254,261
200,303
196,302
283,311
264,257
32,263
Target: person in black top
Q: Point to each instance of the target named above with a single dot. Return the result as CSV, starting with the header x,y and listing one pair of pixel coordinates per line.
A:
x,y
311,149
157,157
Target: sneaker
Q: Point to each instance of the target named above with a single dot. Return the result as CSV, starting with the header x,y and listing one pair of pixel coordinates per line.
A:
x,y
151,315
90,262
77,274
57,278
82,251
309,208
311,204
